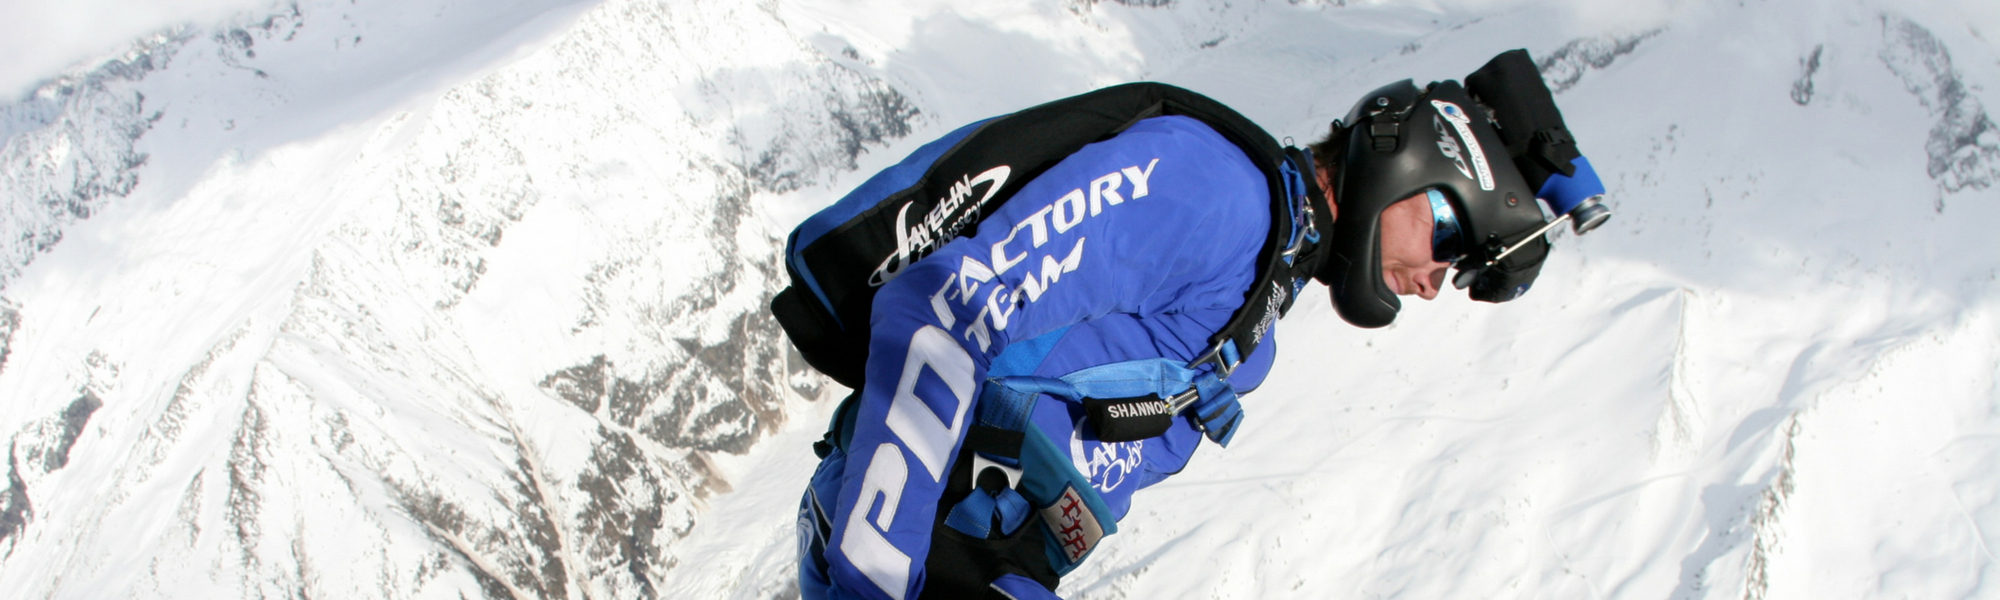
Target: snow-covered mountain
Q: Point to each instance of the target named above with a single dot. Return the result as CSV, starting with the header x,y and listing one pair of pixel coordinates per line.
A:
x,y
445,299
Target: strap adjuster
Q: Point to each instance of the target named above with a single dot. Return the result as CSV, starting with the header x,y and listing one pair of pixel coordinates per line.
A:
x,y
1222,356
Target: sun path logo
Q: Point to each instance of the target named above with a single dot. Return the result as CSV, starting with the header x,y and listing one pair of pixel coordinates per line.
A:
x,y
1462,124
941,224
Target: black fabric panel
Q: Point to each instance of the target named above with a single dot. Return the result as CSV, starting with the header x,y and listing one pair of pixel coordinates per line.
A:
x,y
823,344
1529,122
994,441
1128,419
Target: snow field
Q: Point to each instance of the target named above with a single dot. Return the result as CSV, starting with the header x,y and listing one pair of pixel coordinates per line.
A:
x,y
1771,375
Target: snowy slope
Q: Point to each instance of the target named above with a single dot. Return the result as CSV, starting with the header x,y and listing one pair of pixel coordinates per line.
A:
x,y
413,300
440,299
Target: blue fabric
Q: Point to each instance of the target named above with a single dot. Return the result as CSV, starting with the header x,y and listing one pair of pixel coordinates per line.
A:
x,y
1163,377
974,515
1565,192
814,584
1013,509
1140,246
1218,411
1023,357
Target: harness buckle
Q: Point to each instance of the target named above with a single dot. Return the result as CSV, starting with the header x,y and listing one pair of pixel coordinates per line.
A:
x,y
1183,400
1304,229
1010,474
1223,356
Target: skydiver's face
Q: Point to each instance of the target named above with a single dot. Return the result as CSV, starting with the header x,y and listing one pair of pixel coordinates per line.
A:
x,y
1407,266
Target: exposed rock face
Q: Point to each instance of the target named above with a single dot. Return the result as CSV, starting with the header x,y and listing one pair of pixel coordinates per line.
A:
x,y
1567,65
1964,145
362,407
10,321
35,452
72,147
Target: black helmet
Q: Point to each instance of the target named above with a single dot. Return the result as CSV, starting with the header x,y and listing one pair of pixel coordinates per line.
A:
x,y
1403,140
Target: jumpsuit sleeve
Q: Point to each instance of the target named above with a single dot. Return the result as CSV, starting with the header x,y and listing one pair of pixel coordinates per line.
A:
x,y
1166,217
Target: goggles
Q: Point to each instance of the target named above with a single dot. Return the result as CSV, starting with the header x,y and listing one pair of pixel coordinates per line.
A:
x,y
1447,238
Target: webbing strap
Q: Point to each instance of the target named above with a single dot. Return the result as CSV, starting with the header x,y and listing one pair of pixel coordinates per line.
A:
x,y
1207,392
1074,513
1217,411
1158,376
1006,402
1049,485
974,516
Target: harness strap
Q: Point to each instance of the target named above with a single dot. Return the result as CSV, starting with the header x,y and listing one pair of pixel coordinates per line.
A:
x,y
1291,243
976,514
1019,476
1217,412
1179,387
1074,513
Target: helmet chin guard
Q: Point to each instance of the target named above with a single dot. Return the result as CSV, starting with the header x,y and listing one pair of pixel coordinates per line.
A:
x,y
1404,141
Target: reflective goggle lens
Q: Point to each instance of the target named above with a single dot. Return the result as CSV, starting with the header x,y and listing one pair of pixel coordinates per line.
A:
x,y
1447,238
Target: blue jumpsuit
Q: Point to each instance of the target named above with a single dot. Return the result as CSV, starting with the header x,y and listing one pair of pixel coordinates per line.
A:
x,y
1139,246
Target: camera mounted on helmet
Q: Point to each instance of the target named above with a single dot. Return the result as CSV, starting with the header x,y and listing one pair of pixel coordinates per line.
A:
x,y
1490,151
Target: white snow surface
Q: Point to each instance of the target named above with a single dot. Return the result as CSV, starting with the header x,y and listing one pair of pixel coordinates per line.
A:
x,y
318,340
